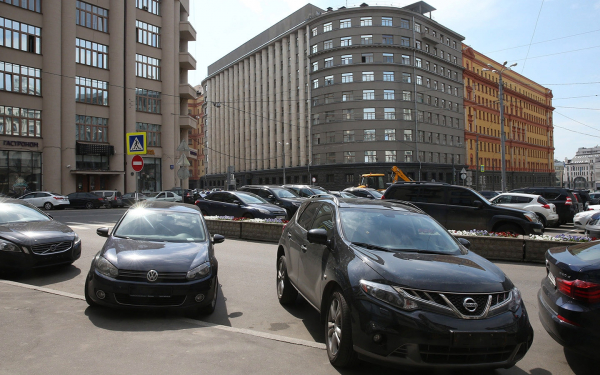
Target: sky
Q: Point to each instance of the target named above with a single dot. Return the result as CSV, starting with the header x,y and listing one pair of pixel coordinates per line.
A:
x,y
556,43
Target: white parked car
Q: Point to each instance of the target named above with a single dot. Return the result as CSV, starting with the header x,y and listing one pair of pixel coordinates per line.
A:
x,y
545,211
46,199
165,196
581,219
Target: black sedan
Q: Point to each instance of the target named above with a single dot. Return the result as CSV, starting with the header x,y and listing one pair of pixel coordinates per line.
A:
x,y
569,299
85,200
29,238
392,285
130,199
159,254
239,204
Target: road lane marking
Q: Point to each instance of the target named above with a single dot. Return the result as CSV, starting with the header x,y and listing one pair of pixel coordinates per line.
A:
x,y
264,335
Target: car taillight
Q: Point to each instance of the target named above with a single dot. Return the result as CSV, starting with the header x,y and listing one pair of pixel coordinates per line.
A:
x,y
568,202
284,225
196,202
383,197
115,198
579,289
58,198
546,206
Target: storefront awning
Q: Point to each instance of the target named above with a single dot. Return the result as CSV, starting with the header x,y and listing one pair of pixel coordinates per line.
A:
x,y
96,172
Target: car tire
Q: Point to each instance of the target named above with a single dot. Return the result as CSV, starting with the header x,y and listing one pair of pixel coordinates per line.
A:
x,y
88,299
209,309
338,331
511,228
89,205
248,216
48,206
542,219
286,293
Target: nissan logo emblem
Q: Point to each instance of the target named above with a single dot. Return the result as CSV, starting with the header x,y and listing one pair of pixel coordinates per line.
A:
x,y
152,276
469,303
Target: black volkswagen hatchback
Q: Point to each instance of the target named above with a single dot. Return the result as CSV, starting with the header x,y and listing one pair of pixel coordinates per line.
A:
x,y
393,285
569,299
159,254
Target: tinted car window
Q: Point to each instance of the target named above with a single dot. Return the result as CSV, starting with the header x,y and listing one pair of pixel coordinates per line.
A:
x,y
375,194
260,192
308,215
503,199
305,192
250,198
284,193
550,194
219,197
460,197
423,194
42,195
324,219
518,199
28,196
542,200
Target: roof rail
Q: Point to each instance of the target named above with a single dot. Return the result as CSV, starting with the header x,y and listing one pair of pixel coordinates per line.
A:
x,y
405,203
420,182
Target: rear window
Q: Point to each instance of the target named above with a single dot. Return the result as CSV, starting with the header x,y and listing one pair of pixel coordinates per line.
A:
x,y
98,193
308,215
542,200
589,251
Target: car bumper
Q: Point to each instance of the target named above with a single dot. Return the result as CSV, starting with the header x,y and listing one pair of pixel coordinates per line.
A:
x,y
583,338
132,294
427,339
25,261
533,228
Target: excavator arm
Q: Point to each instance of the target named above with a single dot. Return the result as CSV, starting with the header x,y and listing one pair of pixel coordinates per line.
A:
x,y
398,174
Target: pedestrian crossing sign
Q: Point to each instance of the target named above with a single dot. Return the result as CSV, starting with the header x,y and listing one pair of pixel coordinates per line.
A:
x,y
136,143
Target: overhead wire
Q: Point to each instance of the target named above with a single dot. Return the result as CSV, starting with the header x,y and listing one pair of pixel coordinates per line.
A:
x,y
531,41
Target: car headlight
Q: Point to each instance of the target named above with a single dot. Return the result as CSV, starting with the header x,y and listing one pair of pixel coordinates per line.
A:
x,y
387,294
106,268
263,211
516,299
76,240
199,272
9,246
531,217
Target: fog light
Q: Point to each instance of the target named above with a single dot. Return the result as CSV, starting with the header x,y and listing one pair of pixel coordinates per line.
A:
x,y
377,337
199,297
100,294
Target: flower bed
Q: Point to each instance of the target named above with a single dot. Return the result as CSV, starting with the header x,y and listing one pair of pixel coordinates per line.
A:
x,y
481,233
563,237
245,219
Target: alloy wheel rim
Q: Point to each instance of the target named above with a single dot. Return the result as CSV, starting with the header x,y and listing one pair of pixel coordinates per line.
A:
x,y
280,278
334,326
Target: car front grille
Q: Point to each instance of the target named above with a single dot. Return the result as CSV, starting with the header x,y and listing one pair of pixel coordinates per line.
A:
x,y
51,248
457,303
450,355
163,277
126,299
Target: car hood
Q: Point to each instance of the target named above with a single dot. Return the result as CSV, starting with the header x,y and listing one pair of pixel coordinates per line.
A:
x,y
137,255
463,273
36,232
511,209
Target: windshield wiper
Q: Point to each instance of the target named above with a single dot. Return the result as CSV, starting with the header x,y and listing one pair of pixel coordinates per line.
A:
x,y
420,251
371,247
125,237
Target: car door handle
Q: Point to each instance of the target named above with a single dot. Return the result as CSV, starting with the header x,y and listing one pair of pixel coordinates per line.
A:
x,y
303,248
289,235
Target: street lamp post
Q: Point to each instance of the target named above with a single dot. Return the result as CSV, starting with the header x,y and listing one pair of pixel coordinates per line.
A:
x,y
502,134
283,148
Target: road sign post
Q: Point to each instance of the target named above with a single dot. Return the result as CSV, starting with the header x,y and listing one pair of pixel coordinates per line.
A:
x,y
137,163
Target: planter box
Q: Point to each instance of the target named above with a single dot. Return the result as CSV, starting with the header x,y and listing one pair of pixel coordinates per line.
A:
x,y
497,248
270,232
229,229
535,250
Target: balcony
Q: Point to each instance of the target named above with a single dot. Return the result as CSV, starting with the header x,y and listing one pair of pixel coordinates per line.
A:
x,y
429,37
186,91
187,61
187,123
187,31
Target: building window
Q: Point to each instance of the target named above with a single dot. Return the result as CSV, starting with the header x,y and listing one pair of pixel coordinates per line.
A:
x,y
315,66
315,119
19,78
147,67
408,135
317,139
344,24
348,136
91,91
348,114
366,21
390,156
314,49
366,39
417,44
91,53
428,82
389,113
419,80
346,41
91,16
408,156
328,80
370,156
388,76
329,62
21,122
405,59
314,32
152,6
404,24
21,36
347,77
367,57
390,134
329,98
388,57
349,176
368,94
417,27
315,83
405,41
327,27
368,76
369,114
328,44
148,34
421,136
35,6
420,116
91,129
388,94
349,157
329,117
418,62
147,101
406,78
331,158
346,59
388,39
407,114
152,133
386,21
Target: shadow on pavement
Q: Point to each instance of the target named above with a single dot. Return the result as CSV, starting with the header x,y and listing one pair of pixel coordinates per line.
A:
x,y
44,276
310,318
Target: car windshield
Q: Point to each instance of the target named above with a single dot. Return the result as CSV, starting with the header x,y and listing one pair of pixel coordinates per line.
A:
x,y
376,194
161,225
284,193
393,230
18,213
250,198
345,194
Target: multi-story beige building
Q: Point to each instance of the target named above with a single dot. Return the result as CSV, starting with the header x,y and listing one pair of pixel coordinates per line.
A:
x,y
196,139
76,76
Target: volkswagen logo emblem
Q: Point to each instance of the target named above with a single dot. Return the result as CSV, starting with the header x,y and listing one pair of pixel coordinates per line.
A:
x,y
468,303
152,276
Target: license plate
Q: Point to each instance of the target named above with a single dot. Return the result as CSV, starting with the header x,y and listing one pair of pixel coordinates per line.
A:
x,y
136,291
476,339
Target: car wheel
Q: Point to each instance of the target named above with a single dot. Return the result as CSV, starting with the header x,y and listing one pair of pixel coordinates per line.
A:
x,y
88,299
248,216
286,293
338,331
209,309
48,206
510,228
89,205
542,219
107,205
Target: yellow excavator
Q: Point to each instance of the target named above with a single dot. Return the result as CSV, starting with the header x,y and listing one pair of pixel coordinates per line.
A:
x,y
376,180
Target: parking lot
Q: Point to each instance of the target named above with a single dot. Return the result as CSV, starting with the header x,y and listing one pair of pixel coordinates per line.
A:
x,y
48,328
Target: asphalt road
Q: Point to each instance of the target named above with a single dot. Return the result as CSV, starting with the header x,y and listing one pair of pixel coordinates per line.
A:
x,y
54,331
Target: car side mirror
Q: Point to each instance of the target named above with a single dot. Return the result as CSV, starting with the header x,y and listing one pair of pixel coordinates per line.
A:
x,y
477,203
318,236
239,203
270,197
217,238
466,243
102,232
